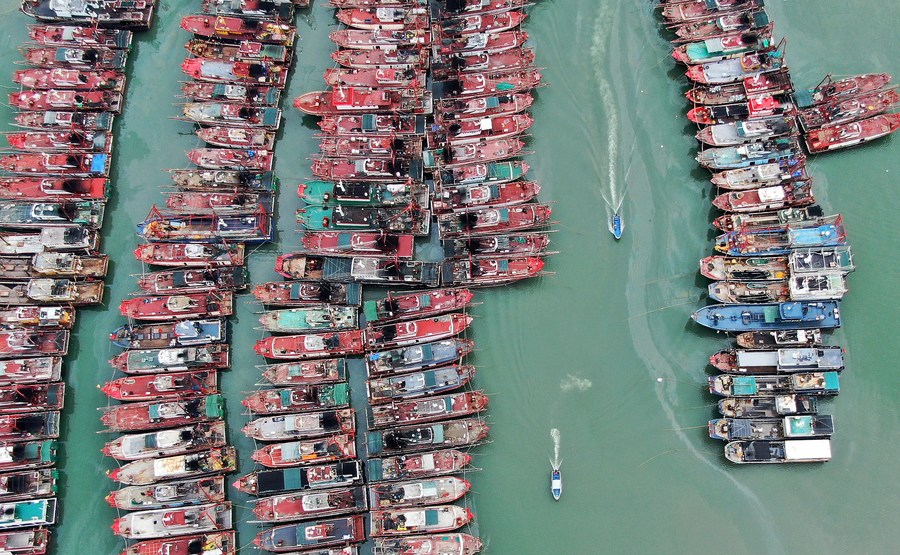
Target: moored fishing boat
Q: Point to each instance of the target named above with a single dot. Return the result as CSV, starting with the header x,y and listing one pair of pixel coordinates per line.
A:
x,y
301,506
415,305
770,317
167,414
481,107
38,188
829,90
190,255
515,244
810,383
749,65
715,27
193,280
238,137
423,330
798,217
224,180
827,285
457,132
492,271
494,22
849,110
729,134
479,84
417,466
298,399
270,482
409,439
727,268
173,441
388,18
362,101
56,141
851,134
23,343
100,13
206,304
200,93
312,372
375,78
30,370
301,293
321,450
486,43
485,150
87,59
151,387
35,316
768,407
298,347
693,10
370,146
310,318
32,541
450,65
417,493
64,121
177,493
780,361
324,193
461,199
164,523
183,333
723,48
237,29
48,163
380,39
31,454
26,215
65,99
461,8
236,114
28,398
232,159
80,80
244,50
397,220
417,357
426,410
29,512
752,154
789,427
256,73
364,269
213,543
440,518
54,264
780,240
795,194
75,35
779,338
247,227
305,536
251,9
356,243
398,58
488,221
781,171
35,426
220,460
297,426
367,169
457,544
418,384
773,83
24,485
379,124
789,451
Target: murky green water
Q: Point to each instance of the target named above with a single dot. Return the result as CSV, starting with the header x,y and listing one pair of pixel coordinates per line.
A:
x,y
582,351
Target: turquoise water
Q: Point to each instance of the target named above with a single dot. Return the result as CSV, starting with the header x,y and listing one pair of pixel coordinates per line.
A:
x,y
584,350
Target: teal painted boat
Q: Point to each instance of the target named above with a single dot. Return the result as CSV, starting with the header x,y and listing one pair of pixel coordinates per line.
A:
x,y
401,219
322,193
313,318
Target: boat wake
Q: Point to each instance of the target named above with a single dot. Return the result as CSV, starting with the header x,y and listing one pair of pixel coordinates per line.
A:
x,y
555,462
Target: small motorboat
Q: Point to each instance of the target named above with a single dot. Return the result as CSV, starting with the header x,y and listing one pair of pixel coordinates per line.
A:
x,y
556,483
616,226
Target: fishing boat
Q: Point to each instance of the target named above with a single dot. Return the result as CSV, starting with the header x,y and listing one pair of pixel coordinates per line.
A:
x,y
55,120
51,290
164,523
312,372
50,164
24,485
417,466
851,134
28,427
321,450
380,39
378,124
74,35
693,10
794,194
168,414
247,227
306,505
740,132
458,132
59,78
388,18
200,93
465,198
232,159
364,269
479,84
23,343
774,83
28,398
749,65
789,451
482,107
779,338
485,150
301,426
251,9
168,495
66,99
811,287
221,460
770,317
367,169
27,513
417,357
495,22
87,59
397,58
490,272
829,90
779,361
808,216
374,78
212,49
183,333
299,347
257,73
370,146
362,101
849,110
207,304
450,65
55,264
271,482
493,220
152,387
752,154
302,293
310,318
440,518
462,8
237,29
296,399
787,169
35,316
780,240
305,536
417,411
99,13
415,305
377,244
191,255
31,454
224,180
238,137
194,280
60,141
716,25
418,384
422,437
515,244
32,541
39,188
417,493
325,193
729,268
402,334
723,48
810,383
233,114
26,215
461,544
397,220
30,370
768,407
483,43
163,443
790,427
213,543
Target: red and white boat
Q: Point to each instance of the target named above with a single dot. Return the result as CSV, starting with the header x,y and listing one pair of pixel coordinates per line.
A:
x,y
379,39
67,99
306,505
413,332
207,304
487,23
429,409
377,78
74,35
34,316
30,370
61,78
385,17
789,195
217,71
300,293
15,428
243,51
693,10
447,67
485,150
419,465
162,386
848,110
89,59
64,121
33,541
352,243
132,417
23,343
218,92
416,58
758,107
61,141
328,449
231,159
459,8
164,523
238,29
304,426
471,85
461,199
238,137
851,134
457,544
174,441
301,398
198,202
176,359
487,43
475,130
485,246
314,345
472,174
370,146
213,543
494,220
416,305
38,188
25,398
490,272
193,280
351,100
379,124
830,90
74,164
359,170
468,108
402,522
191,255
143,472
330,370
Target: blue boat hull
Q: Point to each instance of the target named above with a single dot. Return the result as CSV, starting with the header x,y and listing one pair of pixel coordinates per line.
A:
x,y
774,316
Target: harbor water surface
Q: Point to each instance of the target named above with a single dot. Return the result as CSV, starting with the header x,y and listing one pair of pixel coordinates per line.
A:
x,y
604,350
